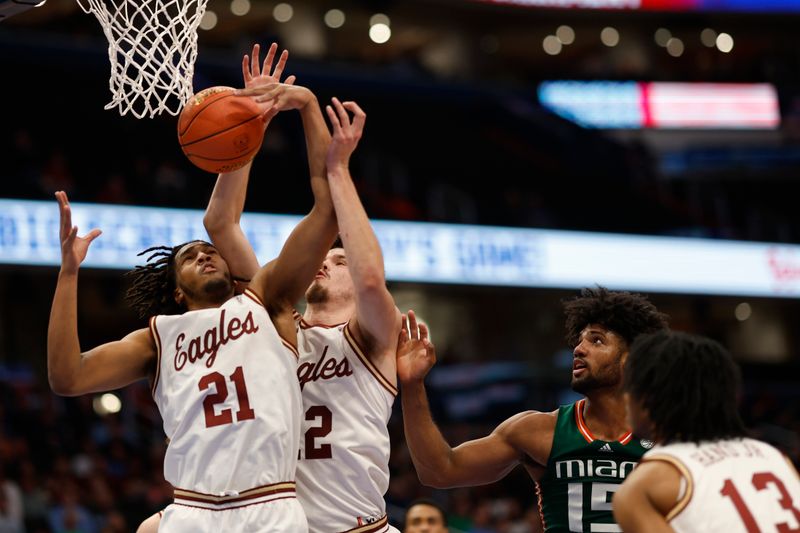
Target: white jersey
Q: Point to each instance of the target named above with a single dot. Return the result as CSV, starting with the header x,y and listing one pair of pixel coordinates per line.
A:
x,y
732,486
227,391
343,471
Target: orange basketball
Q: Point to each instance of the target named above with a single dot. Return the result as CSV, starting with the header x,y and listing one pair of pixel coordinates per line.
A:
x,y
219,131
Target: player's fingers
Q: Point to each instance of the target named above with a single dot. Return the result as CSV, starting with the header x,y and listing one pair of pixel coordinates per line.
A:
x,y
412,325
423,331
278,72
334,120
354,108
402,338
92,235
430,349
246,69
359,117
272,94
265,69
344,119
290,80
255,63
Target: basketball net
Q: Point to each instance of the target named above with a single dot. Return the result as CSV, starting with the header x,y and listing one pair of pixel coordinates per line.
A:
x,y
152,46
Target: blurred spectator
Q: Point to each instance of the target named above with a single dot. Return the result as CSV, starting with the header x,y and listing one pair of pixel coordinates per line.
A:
x,y
11,510
425,516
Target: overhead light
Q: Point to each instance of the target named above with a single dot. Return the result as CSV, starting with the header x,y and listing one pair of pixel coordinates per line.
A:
x,y
743,311
209,20
724,42
334,18
708,37
565,34
609,36
675,47
240,7
552,45
283,12
662,36
380,33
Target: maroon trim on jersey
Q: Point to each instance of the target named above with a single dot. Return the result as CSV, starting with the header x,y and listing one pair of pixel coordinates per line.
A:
x,y
285,487
305,325
683,502
157,340
291,347
235,506
253,296
375,527
361,353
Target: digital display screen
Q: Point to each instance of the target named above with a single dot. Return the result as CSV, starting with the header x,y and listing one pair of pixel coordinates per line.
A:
x,y
635,105
744,6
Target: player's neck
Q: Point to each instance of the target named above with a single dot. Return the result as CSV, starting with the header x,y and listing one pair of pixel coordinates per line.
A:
x,y
194,304
328,313
604,413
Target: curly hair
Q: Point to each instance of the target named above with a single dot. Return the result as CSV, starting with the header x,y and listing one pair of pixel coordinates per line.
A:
x,y
153,285
627,314
688,384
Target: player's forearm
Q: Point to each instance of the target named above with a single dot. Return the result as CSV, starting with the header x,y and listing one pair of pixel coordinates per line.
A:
x,y
318,139
227,200
63,347
364,255
430,452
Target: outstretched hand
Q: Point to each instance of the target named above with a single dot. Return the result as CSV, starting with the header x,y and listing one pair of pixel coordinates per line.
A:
x,y
416,354
346,132
259,78
73,248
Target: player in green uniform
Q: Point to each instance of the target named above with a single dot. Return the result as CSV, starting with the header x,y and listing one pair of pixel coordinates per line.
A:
x,y
579,454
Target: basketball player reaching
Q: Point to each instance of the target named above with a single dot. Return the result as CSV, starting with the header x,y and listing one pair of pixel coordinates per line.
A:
x,y
704,475
347,336
578,454
318,140
223,373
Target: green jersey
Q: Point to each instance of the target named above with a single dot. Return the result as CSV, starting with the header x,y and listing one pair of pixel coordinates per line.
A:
x,y
583,474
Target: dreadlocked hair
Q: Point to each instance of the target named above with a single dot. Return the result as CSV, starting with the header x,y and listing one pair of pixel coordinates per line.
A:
x,y
626,314
688,384
153,285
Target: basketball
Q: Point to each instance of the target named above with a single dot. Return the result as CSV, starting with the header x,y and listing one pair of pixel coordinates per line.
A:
x,y
219,131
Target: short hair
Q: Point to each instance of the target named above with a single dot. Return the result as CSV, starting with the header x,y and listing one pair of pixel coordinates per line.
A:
x,y
152,289
337,243
627,314
688,384
431,503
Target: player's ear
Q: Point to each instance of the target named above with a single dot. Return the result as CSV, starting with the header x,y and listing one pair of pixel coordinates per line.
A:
x,y
180,298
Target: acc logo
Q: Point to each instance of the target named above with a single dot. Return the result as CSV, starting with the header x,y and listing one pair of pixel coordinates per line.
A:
x,y
646,444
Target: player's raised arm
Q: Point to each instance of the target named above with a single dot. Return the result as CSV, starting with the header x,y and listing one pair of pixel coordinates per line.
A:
x,y
226,205
377,320
106,367
476,462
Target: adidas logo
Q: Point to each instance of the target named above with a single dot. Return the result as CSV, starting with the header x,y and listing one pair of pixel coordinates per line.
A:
x,y
605,448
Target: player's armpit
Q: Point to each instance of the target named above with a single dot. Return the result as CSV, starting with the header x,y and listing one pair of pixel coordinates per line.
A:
x,y
646,497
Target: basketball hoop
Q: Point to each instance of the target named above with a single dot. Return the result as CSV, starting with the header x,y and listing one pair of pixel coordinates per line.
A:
x,y
152,47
